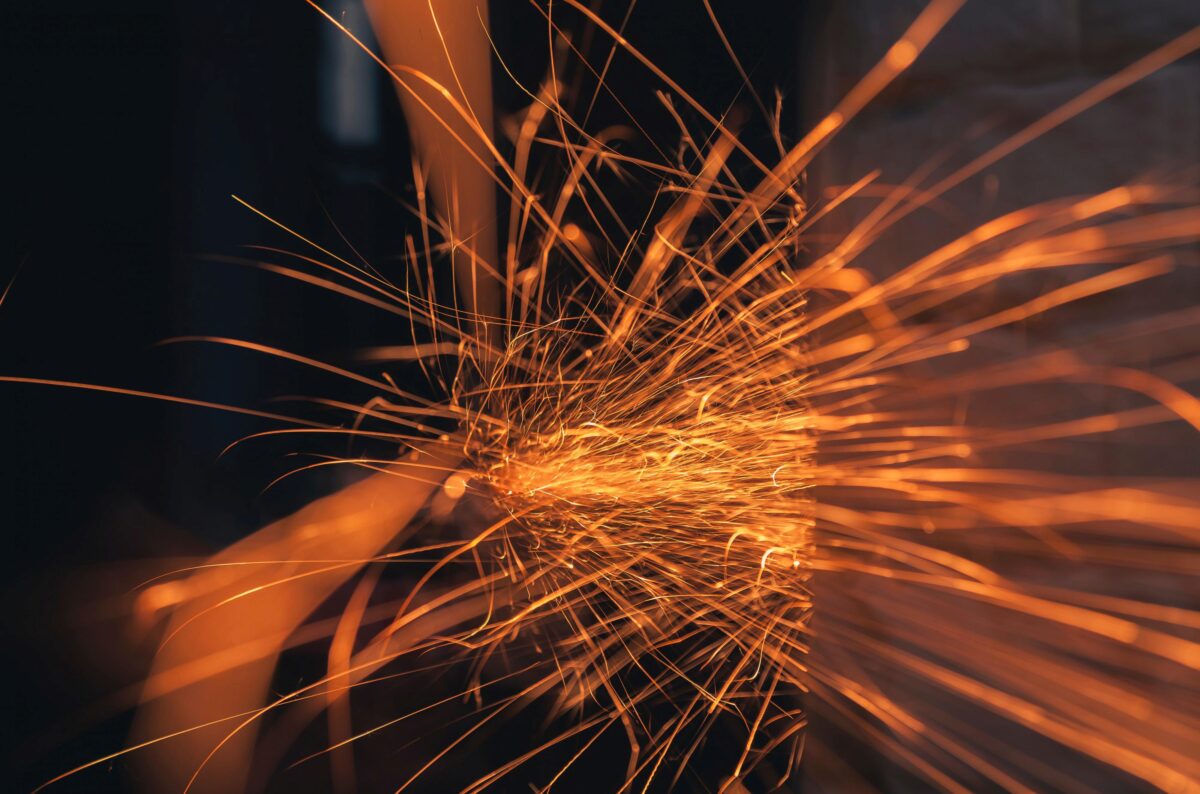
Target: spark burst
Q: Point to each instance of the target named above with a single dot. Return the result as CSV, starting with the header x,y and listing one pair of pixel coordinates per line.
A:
x,y
729,448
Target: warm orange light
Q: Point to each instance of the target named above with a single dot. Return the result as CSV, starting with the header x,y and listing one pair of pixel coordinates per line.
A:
x,y
733,449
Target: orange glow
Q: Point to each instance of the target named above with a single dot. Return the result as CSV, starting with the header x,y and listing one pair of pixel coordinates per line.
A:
x,y
717,468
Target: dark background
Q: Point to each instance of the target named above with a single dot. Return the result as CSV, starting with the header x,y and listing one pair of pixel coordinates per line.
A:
x,y
130,124
128,127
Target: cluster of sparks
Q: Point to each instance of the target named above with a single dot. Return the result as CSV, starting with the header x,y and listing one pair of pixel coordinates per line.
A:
x,y
723,464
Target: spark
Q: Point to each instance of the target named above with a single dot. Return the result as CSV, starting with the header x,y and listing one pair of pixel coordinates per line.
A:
x,y
645,569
